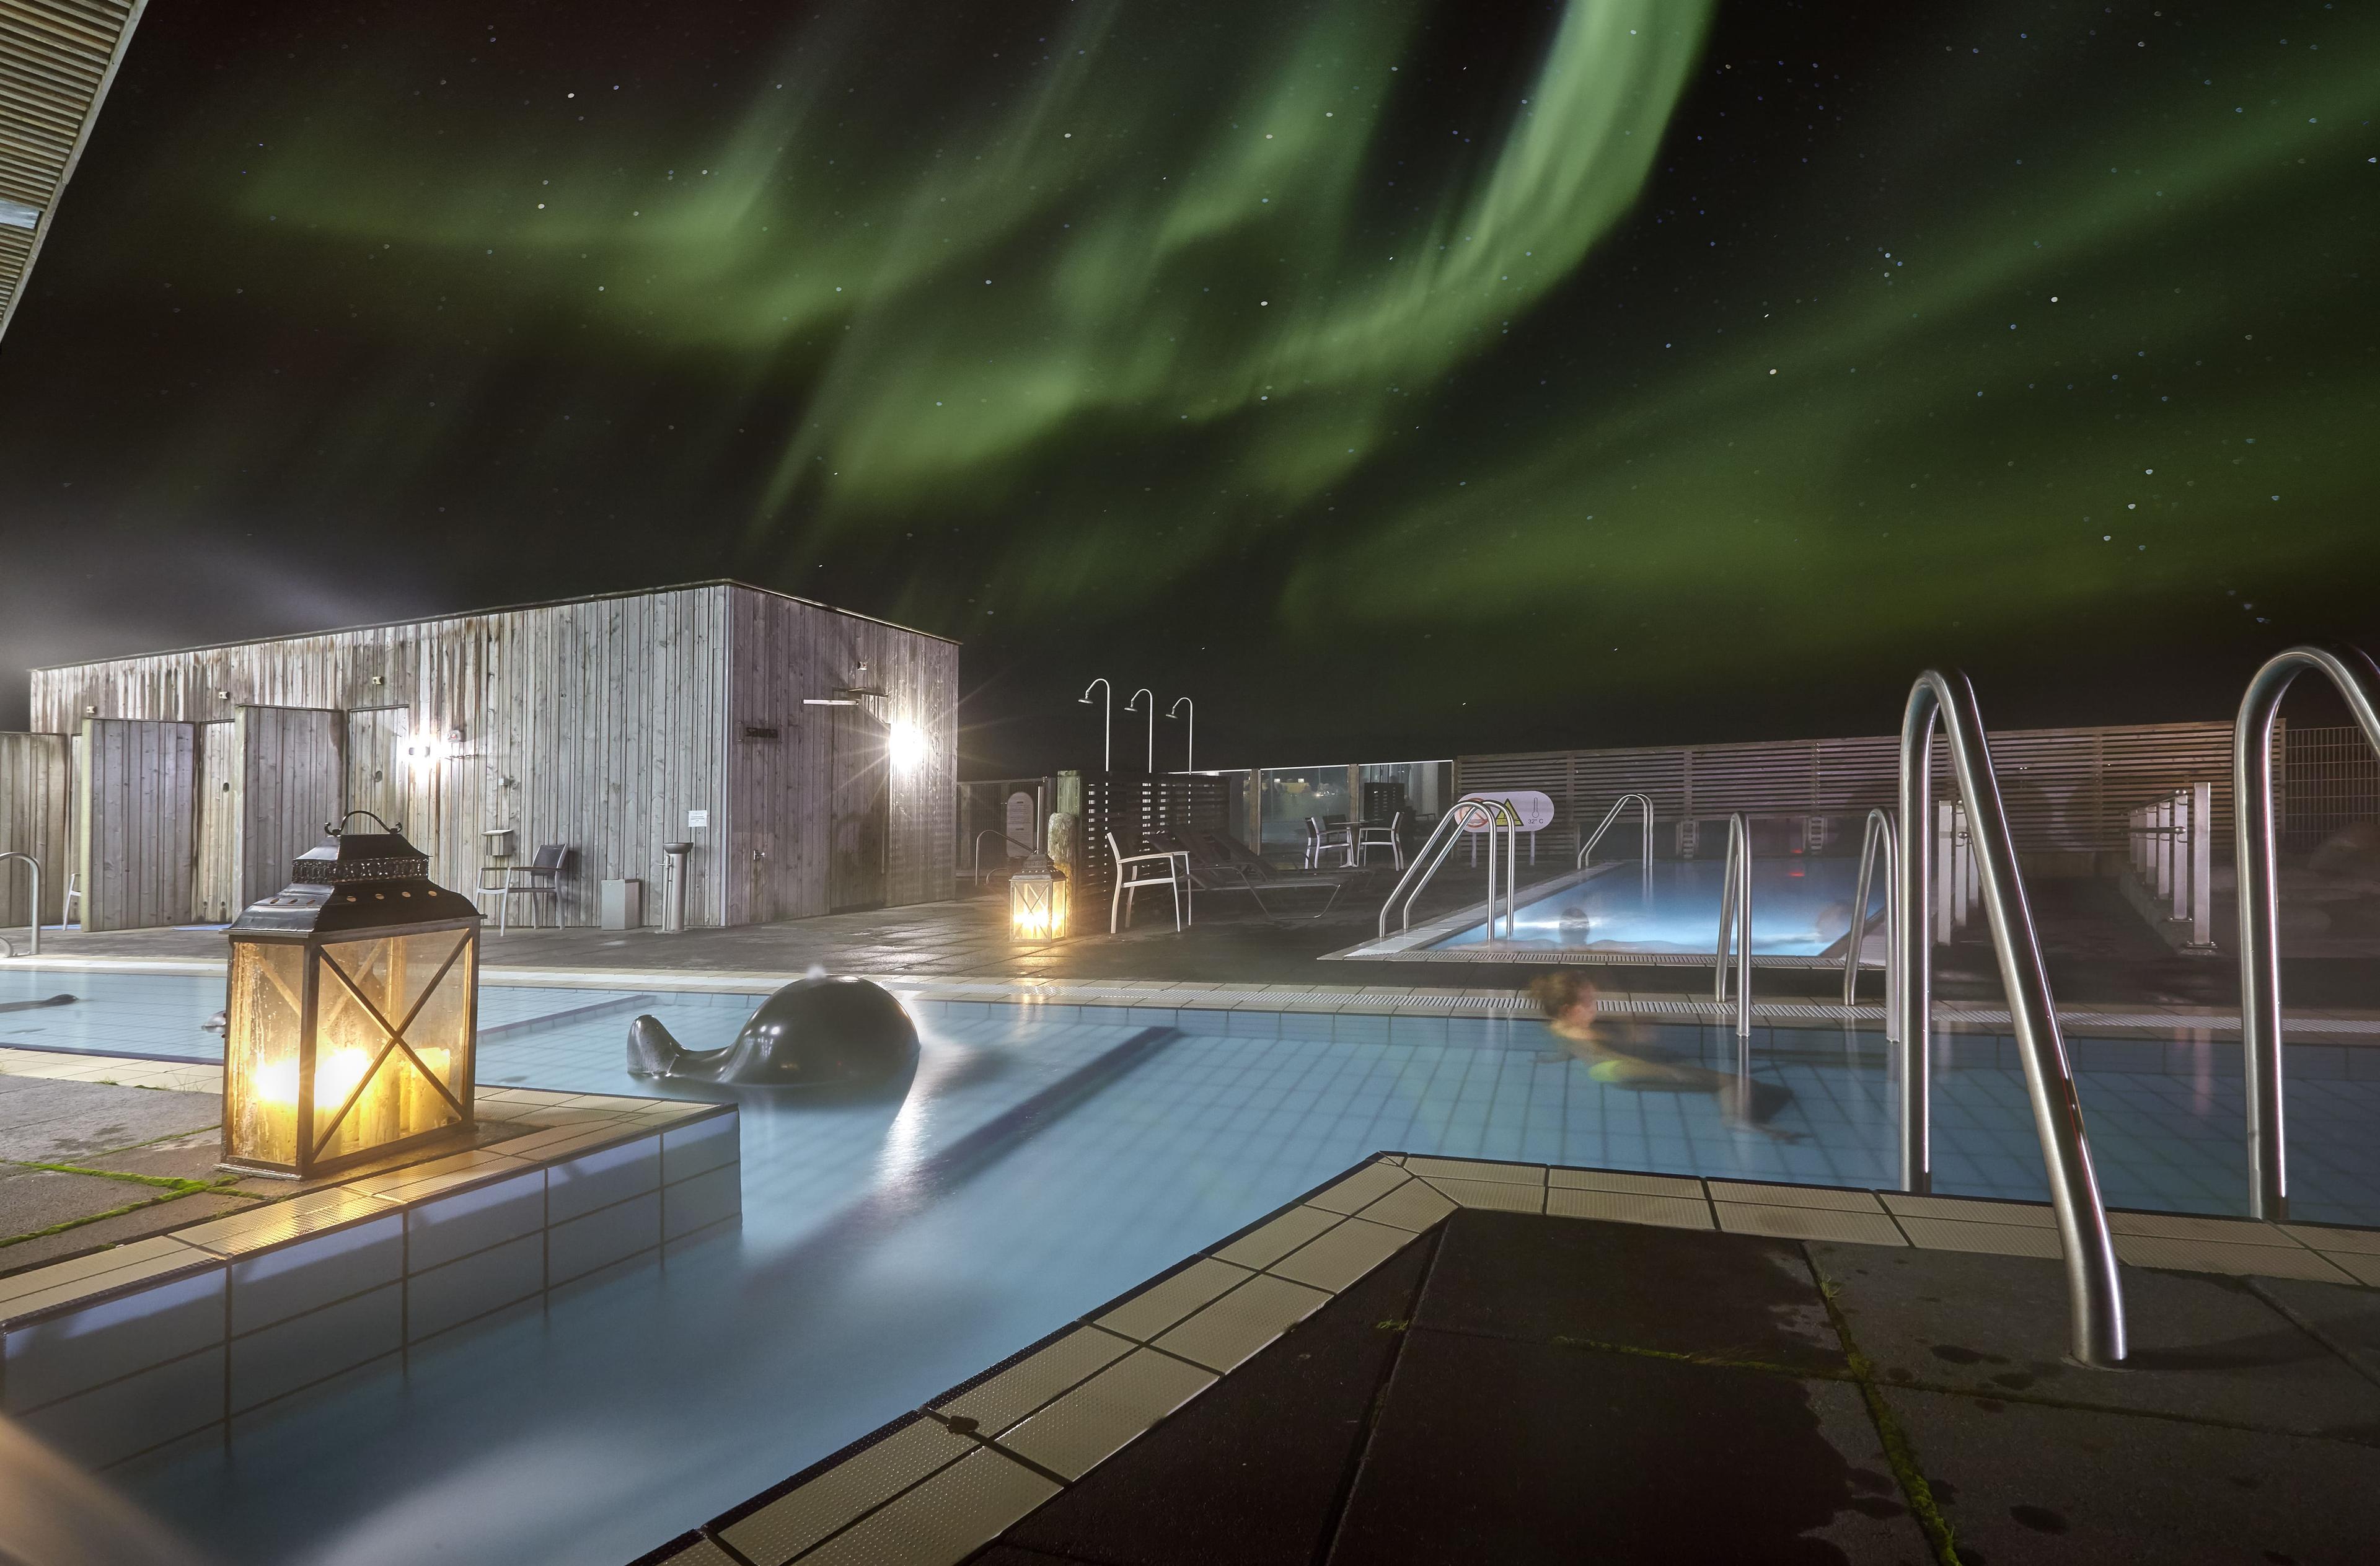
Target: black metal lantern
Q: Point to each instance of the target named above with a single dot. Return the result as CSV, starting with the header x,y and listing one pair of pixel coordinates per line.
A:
x,y
354,1009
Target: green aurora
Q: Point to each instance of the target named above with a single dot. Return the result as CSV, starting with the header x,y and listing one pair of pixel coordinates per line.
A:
x,y
1629,352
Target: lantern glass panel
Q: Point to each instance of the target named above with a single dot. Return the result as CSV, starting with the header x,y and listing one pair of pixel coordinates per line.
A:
x,y
391,973
266,1020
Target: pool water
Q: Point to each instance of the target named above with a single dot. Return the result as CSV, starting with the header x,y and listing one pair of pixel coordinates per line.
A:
x,y
1046,1159
1801,908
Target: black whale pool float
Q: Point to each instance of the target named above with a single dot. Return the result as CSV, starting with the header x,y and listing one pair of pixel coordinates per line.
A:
x,y
823,1033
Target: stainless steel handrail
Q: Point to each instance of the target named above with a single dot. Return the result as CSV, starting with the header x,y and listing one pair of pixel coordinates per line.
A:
x,y
1876,833
1735,911
1464,815
998,832
35,865
2352,670
2095,1292
1644,805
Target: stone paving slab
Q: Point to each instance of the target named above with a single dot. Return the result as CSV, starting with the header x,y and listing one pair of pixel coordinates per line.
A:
x,y
1512,1275
33,1199
2205,1346
1520,1452
49,1121
2046,1485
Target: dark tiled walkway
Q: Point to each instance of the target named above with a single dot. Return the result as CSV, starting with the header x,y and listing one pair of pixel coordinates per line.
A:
x,y
1512,1387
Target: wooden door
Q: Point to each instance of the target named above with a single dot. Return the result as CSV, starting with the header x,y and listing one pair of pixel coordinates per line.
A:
x,y
859,810
215,890
135,823
291,775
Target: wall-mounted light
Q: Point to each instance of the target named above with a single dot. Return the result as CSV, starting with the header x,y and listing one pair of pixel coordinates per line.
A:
x,y
905,743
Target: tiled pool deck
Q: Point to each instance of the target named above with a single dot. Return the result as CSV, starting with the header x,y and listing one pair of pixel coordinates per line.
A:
x,y
1435,1359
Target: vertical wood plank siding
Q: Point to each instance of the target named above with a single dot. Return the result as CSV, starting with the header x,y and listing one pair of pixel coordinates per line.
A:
x,y
290,783
779,801
597,724
34,820
2067,790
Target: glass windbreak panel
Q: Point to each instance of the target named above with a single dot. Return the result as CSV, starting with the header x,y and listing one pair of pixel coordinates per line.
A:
x,y
389,975
266,1015
1415,789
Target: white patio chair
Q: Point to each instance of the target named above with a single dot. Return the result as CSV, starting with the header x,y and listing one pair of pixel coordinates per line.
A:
x,y
1128,884
541,878
1385,837
1337,839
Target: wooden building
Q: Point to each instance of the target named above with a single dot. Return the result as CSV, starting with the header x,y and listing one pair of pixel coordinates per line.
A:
x,y
807,753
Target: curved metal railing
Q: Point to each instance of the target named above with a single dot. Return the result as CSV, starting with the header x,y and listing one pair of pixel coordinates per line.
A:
x,y
1735,916
995,831
2352,670
35,931
1466,815
1645,807
1876,834
2095,1292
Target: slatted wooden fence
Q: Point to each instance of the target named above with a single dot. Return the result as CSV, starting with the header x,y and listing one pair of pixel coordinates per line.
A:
x,y
2067,791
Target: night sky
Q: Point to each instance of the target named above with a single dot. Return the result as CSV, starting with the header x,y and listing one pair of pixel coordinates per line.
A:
x,y
1395,378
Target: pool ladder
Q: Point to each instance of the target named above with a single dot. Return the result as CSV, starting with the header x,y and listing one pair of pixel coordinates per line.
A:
x,y
1735,917
2357,678
1644,851
1468,815
1876,835
33,933
2095,1292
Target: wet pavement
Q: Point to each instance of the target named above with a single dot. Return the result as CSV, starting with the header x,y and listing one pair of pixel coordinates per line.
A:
x,y
1492,1376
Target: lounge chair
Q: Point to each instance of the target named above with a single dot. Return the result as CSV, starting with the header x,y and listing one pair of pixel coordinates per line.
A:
x,y
1218,862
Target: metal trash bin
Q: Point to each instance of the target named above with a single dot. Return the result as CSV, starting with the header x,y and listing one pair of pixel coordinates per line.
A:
x,y
624,904
673,888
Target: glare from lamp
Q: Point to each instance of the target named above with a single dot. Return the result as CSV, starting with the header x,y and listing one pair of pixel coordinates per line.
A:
x,y
906,745
422,750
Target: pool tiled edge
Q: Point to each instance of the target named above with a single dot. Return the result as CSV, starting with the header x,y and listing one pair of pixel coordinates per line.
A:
x,y
1183,998
180,1337
944,1480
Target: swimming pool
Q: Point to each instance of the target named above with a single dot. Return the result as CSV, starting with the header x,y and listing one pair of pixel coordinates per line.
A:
x,y
1047,1158
1800,917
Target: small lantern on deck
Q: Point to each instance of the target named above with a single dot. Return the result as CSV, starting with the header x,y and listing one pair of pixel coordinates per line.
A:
x,y
353,1012
1037,899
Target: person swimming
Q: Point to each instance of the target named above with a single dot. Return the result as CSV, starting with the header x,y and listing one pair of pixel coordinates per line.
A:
x,y
1568,999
